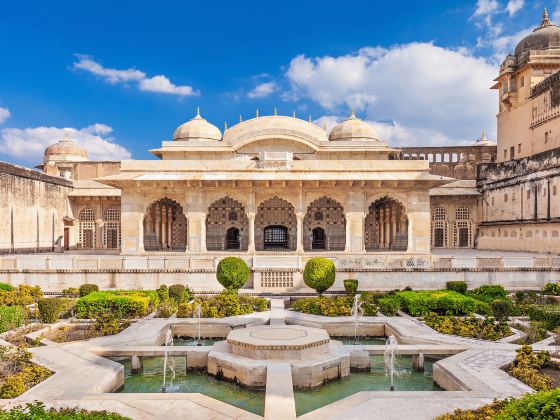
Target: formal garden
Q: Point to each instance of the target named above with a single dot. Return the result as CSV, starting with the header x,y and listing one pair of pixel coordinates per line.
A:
x,y
360,320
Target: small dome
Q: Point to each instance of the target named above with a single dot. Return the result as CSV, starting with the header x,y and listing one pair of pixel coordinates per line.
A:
x,y
197,129
353,129
483,141
65,150
545,36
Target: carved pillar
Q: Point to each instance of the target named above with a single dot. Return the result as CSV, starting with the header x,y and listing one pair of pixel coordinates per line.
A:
x,y
299,232
203,233
251,220
381,228
169,228
157,224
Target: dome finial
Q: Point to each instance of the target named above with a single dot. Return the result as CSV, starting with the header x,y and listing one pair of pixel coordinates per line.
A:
x,y
240,118
257,112
310,118
66,136
353,114
225,125
294,113
275,112
483,138
198,111
545,20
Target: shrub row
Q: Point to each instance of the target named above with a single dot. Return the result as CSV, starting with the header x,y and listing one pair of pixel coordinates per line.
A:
x,y
122,303
37,410
539,406
335,305
457,286
489,293
419,303
549,315
223,305
486,329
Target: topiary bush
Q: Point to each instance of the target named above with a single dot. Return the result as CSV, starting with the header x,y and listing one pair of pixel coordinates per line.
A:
x,y
232,273
11,317
86,289
179,293
163,293
457,286
351,287
549,315
50,309
442,302
319,274
501,309
489,293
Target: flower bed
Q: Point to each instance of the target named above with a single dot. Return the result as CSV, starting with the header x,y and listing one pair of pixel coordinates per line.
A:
x,y
121,303
18,373
420,303
526,368
335,306
223,305
541,406
473,327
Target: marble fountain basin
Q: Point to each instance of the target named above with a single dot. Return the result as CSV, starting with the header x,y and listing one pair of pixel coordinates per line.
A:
x,y
311,354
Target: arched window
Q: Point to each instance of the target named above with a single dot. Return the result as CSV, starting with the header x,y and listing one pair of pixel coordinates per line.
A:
x,y
275,225
386,226
318,240
165,226
232,216
232,238
328,215
439,227
318,216
462,232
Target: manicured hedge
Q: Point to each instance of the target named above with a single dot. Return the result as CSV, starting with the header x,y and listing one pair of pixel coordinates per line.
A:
x,y
232,273
6,287
335,305
225,304
549,315
470,326
442,302
179,293
489,293
24,295
319,274
11,317
457,286
544,405
50,309
37,410
122,303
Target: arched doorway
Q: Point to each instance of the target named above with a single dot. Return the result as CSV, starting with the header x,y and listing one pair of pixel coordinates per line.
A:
x,y
328,215
439,227
275,225
232,238
462,232
224,215
318,239
165,227
88,227
386,226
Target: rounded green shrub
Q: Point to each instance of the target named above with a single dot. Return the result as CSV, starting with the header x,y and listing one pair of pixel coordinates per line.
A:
x,y
177,293
319,274
457,286
86,289
489,292
50,309
232,273
501,309
351,287
6,287
163,293
389,305
72,292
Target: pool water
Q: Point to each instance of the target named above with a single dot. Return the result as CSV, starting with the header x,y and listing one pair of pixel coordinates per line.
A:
x,y
365,340
151,380
192,341
376,380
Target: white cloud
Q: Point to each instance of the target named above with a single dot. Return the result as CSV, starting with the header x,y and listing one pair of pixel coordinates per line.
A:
x,y
485,7
29,144
514,6
159,83
438,94
262,90
4,114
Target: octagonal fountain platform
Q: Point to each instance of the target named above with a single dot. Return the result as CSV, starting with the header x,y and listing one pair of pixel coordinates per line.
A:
x,y
312,355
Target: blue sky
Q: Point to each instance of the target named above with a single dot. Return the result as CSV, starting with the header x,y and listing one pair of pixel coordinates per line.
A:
x,y
120,76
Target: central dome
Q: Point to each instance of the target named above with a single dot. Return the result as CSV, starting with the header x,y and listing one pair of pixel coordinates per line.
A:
x,y
65,150
353,129
545,36
197,129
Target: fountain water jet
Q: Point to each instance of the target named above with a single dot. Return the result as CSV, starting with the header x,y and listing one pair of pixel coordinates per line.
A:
x,y
356,313
198,314
389,356
168,342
